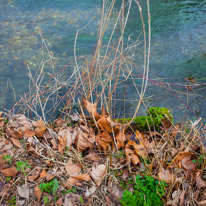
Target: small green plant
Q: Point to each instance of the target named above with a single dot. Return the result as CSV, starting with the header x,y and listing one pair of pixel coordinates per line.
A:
x,y
12,201
21,166
200,160
119,155
46,199
8,179
81,199
50,187
147,192
7,158
6,121
73,190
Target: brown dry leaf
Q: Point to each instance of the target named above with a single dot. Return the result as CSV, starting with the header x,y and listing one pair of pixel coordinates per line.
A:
x,y
200,183
40,128
120,137
104,112
92,156
91,108
29,133
103,140
98,173
203,202
16,142
175,131
84,140
60,123
138,147
90,191
23,121
83,177
37,193
73,169
70,182
166,175
2,161
49,177
10,172
16,133
2,122
23,191
54,145
184,161
182,197
125,174
108,201
135,159
49,163
68,136
59,202
106,124
131,156
35,174
62,144
43,174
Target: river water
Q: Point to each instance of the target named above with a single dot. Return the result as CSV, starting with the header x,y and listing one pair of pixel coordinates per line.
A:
x,y
178,48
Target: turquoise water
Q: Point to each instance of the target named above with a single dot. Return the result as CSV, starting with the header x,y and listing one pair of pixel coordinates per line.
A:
x,y
178,47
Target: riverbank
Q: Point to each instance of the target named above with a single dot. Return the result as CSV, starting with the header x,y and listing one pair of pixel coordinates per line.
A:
x,y
91,160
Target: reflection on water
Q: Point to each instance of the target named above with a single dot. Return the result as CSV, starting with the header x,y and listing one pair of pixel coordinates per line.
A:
x,y
178,46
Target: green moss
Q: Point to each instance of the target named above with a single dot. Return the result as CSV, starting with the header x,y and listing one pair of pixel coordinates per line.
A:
x,y
157,117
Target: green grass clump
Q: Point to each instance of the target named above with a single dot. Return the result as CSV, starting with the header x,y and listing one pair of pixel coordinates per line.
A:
x,y
50,187
147,192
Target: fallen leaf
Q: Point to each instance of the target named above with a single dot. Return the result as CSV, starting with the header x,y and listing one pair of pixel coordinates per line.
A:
x,y
23,191
91,108
65,133
120,137
16,133
166,175
68,202
135,159
92,156
37,193
131,156
183,160
90,191
49,163
125,174
203,202
62,144
2,161
10,172
73,169
98,173
182,197
40,128
59,202
16,142
29,133
43,174
106,124
23,121
84,140
200,183
83,177
103,140
70,182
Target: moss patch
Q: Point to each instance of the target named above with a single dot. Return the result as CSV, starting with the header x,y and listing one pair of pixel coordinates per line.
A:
x,y
157,117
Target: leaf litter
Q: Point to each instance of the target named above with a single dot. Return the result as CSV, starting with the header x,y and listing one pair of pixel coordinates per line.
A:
x,y
93,165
